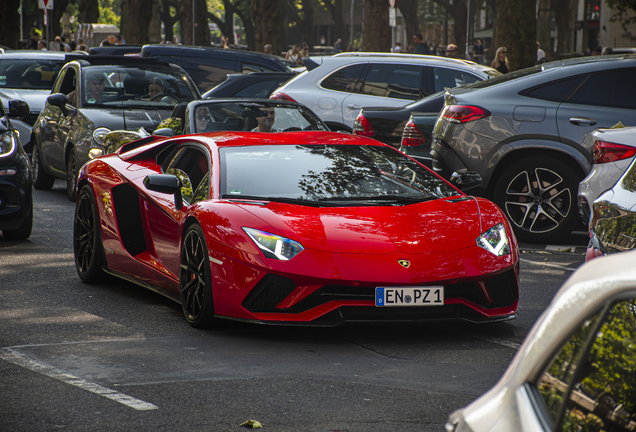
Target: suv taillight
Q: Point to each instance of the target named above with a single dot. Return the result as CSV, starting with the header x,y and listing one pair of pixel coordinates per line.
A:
x,y
362,126
464,113
281,96
604,152
411,136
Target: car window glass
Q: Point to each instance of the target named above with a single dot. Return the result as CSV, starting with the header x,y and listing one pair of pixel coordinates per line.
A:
x,y
393,81
603,398
557,91
613,89
190,165
444,77
206,72
344,79
259,90
251,67
554,382
29,73
68,86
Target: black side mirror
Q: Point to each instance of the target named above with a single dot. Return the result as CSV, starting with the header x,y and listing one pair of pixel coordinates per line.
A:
x,y
18,108
165,132
466,179
165,183
59,100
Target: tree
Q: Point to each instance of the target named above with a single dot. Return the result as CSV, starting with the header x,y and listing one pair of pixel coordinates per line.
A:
x,y
409,11
517,30
302,12
10,23
267,16
56,17
88,11
336,10
625,12
135,21
377,33
458,10
565,12
169,14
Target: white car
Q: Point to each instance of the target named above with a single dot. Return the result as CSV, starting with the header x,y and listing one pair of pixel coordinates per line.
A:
x,y
575,369
612,152
335,88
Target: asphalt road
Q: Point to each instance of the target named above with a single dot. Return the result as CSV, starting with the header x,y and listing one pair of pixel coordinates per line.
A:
x,y
115,357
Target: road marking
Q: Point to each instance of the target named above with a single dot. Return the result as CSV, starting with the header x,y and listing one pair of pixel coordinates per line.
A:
x,y
21,360
546,264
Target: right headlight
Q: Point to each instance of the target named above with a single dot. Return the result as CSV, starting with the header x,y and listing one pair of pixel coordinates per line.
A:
x,y
7,144
495,240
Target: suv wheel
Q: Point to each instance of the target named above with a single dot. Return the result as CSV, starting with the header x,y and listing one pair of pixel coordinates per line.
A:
x,y
71,175
538,195
41,180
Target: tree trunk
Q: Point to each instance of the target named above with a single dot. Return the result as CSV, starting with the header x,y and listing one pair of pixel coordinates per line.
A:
x,y
517,30
203,30
137,19
267,16
544,23
377,33
336,9
565,11
168,21
305,21
460,11
10,23
185,7
89,11
248,25
409,10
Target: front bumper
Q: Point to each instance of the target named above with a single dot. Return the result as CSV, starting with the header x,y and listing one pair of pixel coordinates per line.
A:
x,y
15,191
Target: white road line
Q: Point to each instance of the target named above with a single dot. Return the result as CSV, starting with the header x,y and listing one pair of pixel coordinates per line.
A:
x,y
546,264
20,360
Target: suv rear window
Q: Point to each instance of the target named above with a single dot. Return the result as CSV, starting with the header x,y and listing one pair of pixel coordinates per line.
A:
x,y
613,89
344,79
394,81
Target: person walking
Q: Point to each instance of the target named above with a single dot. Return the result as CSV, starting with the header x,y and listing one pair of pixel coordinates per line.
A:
x,y
540,53
336,46
451,51
501,62
420,46
478,52
294,54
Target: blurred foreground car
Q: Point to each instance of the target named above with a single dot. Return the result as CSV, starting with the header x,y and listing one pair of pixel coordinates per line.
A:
x,y
612,152
16,187
310,228
575,369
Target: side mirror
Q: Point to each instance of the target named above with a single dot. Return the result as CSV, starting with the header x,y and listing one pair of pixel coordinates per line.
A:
x,y
59,100
18,108
165,183
466,179
165,132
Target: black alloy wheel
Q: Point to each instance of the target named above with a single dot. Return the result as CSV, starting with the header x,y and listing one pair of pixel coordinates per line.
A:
x,y
71,176
41,180
87,242
195,279
538,195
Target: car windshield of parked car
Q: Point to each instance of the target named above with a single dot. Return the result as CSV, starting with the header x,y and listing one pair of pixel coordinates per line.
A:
x,y
255,117
328,175
29,74
130,87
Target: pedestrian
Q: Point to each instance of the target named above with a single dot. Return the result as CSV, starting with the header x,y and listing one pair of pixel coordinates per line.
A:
x,y
501,62
420,46
268,49
336,46
294,54
398,48
608,51
33,42
478,52
224,41
42,45
304,52
451,51
540,53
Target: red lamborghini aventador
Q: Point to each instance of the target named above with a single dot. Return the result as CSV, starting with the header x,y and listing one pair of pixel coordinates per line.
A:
x,y
312,228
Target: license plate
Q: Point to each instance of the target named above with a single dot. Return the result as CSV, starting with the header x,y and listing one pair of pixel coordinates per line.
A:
x,y
409,296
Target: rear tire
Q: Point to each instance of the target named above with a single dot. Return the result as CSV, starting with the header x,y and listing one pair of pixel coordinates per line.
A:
x,y
71,176
87,240
41,180
539,197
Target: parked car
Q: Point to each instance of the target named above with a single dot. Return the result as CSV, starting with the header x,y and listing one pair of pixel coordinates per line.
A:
x,y
29,76
339,86
521,133
116,50
249,85
209,66
574,371
16,186
312,228
612,151
613,222
93,96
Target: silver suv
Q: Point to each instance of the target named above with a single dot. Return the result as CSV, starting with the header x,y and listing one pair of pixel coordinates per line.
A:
x,y
521,132
335,88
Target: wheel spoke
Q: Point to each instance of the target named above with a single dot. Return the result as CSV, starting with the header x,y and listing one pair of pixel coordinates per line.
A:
x,y
562,197
547,179
524,208
540,217
520,185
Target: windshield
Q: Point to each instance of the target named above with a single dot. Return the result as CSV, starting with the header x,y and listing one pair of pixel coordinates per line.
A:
x,y
255,117
131,87
327,174
29,74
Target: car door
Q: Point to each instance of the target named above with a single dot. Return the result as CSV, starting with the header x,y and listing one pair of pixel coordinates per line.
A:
x,y
385,84
338,85
601,101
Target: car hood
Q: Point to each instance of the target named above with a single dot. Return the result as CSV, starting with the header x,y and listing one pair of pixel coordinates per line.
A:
x,y
130,119
434,226
35,98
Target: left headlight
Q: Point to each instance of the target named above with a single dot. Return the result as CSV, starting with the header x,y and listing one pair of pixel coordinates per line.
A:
x,y
99,134
274,246
7,144
495,240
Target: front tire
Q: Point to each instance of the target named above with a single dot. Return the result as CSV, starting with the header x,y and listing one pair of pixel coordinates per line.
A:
x,y
538,195
195,280
41,180
24,232
71,176
87,241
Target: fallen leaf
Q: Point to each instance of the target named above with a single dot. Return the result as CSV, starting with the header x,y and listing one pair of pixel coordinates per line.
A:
x,y
252,424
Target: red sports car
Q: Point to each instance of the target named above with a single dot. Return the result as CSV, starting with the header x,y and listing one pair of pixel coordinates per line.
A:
x,y
312,228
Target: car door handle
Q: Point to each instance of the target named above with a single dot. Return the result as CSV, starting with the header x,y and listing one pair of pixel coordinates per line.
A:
x,y
582,121
354,106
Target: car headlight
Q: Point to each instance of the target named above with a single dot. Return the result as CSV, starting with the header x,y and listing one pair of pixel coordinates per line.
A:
x,y
7,144
274,246
99,134
495,240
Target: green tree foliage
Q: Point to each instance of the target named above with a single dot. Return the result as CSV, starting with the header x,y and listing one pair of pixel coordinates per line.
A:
x,y
110,12
625,12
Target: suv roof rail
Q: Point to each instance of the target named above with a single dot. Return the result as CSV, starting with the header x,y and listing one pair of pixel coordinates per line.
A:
x,y
400,55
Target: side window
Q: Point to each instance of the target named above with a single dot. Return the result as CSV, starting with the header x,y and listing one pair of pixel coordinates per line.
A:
x,y
443,77
344,79
557,91
394,81
68,86
190,165
207,72
613,89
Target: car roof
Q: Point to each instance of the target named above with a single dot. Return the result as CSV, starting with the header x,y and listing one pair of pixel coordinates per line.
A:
x,y
52,55
168,49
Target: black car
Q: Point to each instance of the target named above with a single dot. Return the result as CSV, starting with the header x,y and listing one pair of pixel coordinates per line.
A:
x,y
16,187
116,50
209,66
249,85
93,96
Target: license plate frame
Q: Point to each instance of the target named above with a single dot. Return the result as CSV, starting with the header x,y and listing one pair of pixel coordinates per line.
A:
x,y
422,296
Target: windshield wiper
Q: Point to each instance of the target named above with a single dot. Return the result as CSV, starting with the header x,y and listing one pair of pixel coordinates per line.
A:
x,y
273,199
392,198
